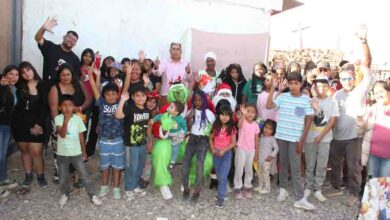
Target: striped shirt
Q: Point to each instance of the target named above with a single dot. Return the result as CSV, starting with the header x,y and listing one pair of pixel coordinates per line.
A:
x,y
291,116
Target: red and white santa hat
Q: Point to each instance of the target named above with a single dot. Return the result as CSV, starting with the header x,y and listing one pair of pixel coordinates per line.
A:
x,y
224,88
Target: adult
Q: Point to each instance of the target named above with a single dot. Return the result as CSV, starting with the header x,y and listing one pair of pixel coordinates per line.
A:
x,y
68,84
207,79
8,99
28,126
255,85
56,54
172,70
378,129
347,141
224,92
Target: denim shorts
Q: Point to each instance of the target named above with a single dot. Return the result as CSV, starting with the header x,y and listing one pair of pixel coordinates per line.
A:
x,y
112,153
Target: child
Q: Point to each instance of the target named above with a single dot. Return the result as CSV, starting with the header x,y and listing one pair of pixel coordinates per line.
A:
x,y
268,150
112,149
236,80
246,151
70,130
176,135
318,140
222,141
199,119
294,118
136,120
152,106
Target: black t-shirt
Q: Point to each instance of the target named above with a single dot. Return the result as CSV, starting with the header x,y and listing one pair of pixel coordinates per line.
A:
x,y
135,125
154,79
53,57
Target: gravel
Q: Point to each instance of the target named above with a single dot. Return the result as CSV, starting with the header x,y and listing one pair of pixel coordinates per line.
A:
x,y
43,203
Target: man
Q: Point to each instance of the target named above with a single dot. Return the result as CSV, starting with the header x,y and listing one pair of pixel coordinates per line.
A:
x,y
324,69
55,55
172,70
347,142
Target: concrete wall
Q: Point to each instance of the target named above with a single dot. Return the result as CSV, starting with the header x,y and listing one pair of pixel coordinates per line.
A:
x,y
5,33
122,27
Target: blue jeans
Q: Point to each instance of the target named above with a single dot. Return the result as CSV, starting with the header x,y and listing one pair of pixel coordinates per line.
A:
x,y
175,152
378,167
5,132
135,163
222,168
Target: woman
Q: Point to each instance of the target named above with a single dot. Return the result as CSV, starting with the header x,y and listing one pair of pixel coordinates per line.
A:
x,y
378,130
255,85
207,78
28,125
68,84
9,78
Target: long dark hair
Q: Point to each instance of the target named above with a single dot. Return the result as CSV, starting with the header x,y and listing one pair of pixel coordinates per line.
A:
x,y
255,78
230,68
6,70
90,51
75,78
103,68
217,125
205,105
22,83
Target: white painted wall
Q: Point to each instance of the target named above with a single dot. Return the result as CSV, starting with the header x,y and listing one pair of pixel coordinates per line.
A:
x,y
122,27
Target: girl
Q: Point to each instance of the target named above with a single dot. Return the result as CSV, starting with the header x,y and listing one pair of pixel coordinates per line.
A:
x,y
247,150
222,141
199,120
378,128
268,150
104,69
255,85
8,100
28,127
133,76
262,111
236,80
152,106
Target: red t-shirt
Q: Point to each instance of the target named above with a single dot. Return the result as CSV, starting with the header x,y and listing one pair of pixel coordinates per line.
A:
x,y
222,140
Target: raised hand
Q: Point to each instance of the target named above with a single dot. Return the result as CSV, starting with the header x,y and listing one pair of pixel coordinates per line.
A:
x,y
141,55
362,32
282,84
146,79
188,68
243,110
156,63
4,81
275,80
49,24
125,96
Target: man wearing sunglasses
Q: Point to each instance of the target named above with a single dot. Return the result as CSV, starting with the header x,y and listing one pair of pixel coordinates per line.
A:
x,y
347,143
54,55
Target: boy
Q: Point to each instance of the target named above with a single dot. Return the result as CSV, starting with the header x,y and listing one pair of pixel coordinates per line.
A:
x,y
318,140
294,119
112,149
71,128
136,120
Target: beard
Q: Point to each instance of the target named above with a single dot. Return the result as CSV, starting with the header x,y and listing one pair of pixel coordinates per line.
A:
x,y
230,99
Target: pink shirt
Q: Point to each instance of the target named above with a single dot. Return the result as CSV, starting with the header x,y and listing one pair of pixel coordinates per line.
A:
x,y
223,140
171,71
380,142
247,134
262,110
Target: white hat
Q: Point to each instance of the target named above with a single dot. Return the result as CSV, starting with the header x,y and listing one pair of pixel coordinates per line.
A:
x,y
210,54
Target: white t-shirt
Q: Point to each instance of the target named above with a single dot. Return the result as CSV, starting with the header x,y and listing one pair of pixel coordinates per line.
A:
x,y
197,128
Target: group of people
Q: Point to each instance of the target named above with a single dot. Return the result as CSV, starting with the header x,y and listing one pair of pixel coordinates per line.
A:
x,y
263,124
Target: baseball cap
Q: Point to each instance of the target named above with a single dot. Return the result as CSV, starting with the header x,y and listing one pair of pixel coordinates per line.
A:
x,y
321,79
117,66
323,64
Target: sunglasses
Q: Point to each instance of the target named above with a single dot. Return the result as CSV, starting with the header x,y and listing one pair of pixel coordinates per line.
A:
x,y
322,69
346,78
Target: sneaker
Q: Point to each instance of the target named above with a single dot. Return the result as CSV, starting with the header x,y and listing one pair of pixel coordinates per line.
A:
x,y
4,194
28,180
130,195
237,194
304,204
63,200
96,201
334,192
351,200
258,189
219,203
195,197
248,193
306,193
103,191
186,195
56,178
283,194
139,192
42,181
265,190
319,196
78,185
117,193
166,192
143,183
171,165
